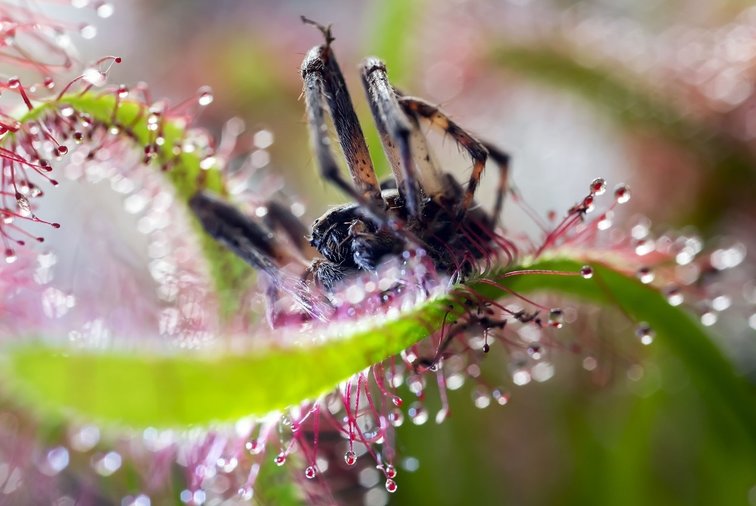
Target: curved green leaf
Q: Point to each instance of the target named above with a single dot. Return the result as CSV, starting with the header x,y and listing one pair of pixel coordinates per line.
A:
x,y
230,274
176,390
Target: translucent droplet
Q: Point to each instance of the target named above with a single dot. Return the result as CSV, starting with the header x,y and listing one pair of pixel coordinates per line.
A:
x,y
48,83
280,459
350,458
14,82
61,150
263,139
57,460
93,77
88,31
310,472
10,256
721,302
588,204
441,416
586,271
107,464
24,208
501,398
481,398
622,194
674,296
535,351
246,493
205,96
391,486
254,447
645,333
709,318
390,471
123,91
521,377
396,417
598,186
645,275
104,10
417,413
556,318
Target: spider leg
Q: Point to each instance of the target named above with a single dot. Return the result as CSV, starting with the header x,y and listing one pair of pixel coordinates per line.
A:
x,y
257,246
477,151
395,130
280,219
501,159
248,240
323,80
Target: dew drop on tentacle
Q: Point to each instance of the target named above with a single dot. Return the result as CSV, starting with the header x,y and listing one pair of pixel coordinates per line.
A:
x,y
10,256
417,413
280,459
310,472
501,397
390,471
481,397
586,271
645,275
104,10
396,417
598,186
622,194
391,486
674,296
645,333
24,208
350,458
205,96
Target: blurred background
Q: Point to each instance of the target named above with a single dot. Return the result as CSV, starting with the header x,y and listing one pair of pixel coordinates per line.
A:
x,y
661,95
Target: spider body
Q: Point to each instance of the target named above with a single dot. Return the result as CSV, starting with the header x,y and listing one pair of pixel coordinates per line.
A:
x,y
421,207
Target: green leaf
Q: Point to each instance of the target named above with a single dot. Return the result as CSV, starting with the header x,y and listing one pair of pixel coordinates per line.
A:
x,y
179,390
230,274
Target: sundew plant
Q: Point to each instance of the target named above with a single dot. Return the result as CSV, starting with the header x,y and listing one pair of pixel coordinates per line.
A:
x,y
178,326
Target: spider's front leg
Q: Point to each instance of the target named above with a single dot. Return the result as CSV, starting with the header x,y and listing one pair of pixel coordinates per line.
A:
x,y
395,130
323,81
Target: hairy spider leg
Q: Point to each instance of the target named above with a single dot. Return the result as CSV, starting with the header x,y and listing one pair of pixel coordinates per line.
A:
x,y
476,150
279,218
250,241
323,80
395,130
501,159
254,244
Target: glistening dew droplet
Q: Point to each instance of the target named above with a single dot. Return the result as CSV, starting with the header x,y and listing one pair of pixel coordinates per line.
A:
x,y
645,275
598,186
205,96
586,271
391,486
644,332
350,458
280,459
622,194
310,472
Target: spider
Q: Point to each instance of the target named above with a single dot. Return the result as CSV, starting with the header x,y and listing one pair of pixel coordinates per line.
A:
x,y
419,208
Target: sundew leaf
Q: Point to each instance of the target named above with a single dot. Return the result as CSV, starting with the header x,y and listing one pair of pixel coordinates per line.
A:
x,y
230,274
179,390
